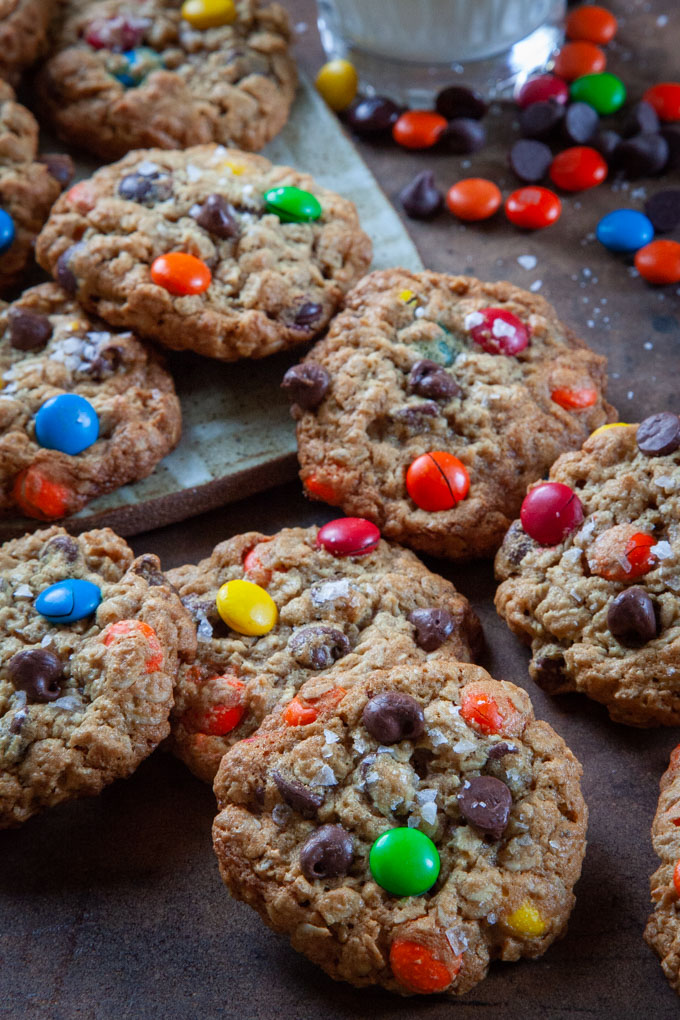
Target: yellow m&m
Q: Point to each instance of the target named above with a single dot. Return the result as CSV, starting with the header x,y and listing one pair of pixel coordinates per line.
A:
x,y
209,13
246,608
611,425
337,83
526,920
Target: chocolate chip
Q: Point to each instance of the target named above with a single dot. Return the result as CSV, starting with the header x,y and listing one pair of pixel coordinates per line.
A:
x,y
631,618
580,123
218,217
421,198
428,379
60,166
642,156
28,331
146,189
413,415
485,802
459,101
64,274
318,647
372,116
433,627
530,160
38,672
393,716
541,120
672,137
517,543
642,119
306,385
500,750
149,567
549,673
308,314
108,360
462,136
327,853
64,545
659,434
420,761
606,143
663,209
297,796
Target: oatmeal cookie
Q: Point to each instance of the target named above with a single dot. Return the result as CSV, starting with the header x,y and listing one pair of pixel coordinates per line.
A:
x,y
127,75
663,928
418,829
194,249
435,400
52,353
91,639
358,608
23,34
600,604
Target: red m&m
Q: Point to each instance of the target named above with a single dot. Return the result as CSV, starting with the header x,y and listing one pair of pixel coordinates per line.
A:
x,y
180,273
222,719
665,98
659,262
542,89
550,511
497,331
591,23
533,208
419,129
578,168
578,58
437,481
348,536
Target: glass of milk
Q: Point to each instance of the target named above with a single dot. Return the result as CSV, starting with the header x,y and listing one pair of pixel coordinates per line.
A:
x,y
409,49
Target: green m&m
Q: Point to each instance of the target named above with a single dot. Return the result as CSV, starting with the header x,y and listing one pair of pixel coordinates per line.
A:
x,y
292,205
405,862
604,92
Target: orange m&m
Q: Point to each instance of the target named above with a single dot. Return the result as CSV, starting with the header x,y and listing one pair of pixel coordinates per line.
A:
x,y
437,481
676,878
591,23
180,273
474,198
578,58
416,968
39,497
319,489
123,627
222,719
574,400
418,129
659,262
301,712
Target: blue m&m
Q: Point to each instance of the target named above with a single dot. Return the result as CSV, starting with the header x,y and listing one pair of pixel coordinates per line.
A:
x,y
67,423
7,231
624,230
132,67
68,601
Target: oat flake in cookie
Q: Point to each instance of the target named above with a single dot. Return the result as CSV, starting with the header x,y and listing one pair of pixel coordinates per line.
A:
x,y
368,609
600,606
443,398
23,34
211,250
663,928
53,353
125,75
91,639
427,825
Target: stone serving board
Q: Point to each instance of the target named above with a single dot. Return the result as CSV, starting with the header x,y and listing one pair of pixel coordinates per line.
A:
x,y
238,437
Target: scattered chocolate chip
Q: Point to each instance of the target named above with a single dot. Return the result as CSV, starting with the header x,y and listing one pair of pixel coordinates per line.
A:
x,y
549,673
606,143
672,137
458,101
308,314
62,544
428,379
500,750
60,166
298,796
38,672
541,120
393,716
642,156
327,853
413,415
517,543
580,123
146,189
485,802
663,209
659,434
421,198
372,116
530,160
148,566
306,385
28,331
64,274
642,119
631,618
318,647
218,217
462,136
433,627
420,761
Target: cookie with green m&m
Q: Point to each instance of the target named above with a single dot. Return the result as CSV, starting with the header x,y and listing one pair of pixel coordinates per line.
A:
x,y
422,826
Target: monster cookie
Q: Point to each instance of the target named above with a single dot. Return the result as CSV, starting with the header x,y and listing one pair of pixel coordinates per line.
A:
x,y
211,249
29,185
663,928
127,75
83,410
271,612
433,402
419,828
23,34
591,572
90,645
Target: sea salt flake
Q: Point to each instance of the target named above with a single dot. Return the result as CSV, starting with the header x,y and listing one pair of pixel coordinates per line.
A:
x,y
502,329
536,285
325,776
204,631
23,592
662,551
330,737
69,703
426,796
429,813
572,555
361,745
491,918
436,736
473,319
527,261
147,168
457,940
464,745
413,821
193,172
280,815
329,591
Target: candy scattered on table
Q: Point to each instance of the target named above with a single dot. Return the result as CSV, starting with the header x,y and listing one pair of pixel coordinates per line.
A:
x,y
665,98
421,199
68,423
541,89
550,511
68,601
293,205
603,91
404,862
419,129
348,536
624,230
533,208
592,23
181,274
246,608
659,262
337,83
577,59
578,169
474,198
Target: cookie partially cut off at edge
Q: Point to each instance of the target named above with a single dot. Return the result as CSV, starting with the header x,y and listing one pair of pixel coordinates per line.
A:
x,y
82,703
663,928
438,750
374,610
23,34
406,379
601,609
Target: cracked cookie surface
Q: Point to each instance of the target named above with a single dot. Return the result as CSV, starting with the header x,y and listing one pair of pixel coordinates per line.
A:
x,y
272,283
82,703
302,806
405,377
601,609
663,928
352,608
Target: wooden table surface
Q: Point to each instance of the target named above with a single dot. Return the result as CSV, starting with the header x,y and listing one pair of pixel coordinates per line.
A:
x,y
113,907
